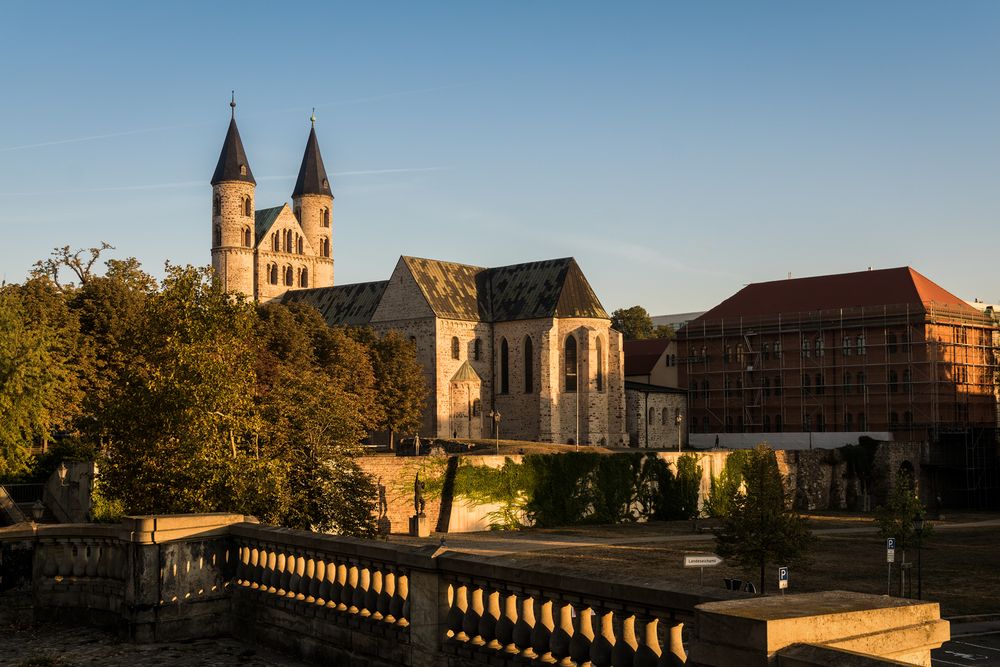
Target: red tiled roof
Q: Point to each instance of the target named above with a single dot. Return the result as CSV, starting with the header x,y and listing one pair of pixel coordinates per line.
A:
x,y
641,355
883,287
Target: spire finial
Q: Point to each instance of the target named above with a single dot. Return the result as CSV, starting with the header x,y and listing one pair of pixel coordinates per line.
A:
x,y
312,118
232,105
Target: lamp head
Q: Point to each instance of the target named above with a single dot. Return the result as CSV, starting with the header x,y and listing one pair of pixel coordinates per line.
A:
x,y
61,471
37,511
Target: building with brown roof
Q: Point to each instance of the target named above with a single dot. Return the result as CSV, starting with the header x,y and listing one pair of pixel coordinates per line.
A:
x,y
821,361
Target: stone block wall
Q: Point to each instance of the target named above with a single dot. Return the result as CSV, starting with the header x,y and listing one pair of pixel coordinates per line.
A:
x,y
660,430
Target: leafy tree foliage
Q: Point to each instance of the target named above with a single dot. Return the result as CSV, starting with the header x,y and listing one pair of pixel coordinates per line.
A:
x,y
758,529
895,518
636,324
687,486
726,486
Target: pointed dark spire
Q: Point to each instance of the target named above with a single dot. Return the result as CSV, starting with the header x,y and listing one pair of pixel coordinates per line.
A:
x,y
312,178
233,164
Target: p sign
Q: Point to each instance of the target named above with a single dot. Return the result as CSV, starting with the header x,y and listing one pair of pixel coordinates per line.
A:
x,y
890,549
782,577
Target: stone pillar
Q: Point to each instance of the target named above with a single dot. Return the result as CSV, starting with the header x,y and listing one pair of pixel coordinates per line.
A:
x,y
428,613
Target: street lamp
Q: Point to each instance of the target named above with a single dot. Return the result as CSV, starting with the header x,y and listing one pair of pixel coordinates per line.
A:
x,y
918,527
678,419
37,511
495,416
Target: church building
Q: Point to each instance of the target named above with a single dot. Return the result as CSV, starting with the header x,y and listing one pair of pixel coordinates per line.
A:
x,y
527,346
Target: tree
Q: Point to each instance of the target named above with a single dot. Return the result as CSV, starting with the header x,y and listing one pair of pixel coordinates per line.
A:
x,y
687,484
400,383
79,262
895,518
635,324
759,529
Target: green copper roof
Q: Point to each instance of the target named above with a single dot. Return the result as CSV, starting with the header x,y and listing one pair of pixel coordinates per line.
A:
x,y
263,219
466,373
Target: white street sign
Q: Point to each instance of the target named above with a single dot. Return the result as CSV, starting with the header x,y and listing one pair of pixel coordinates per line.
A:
x,y
890,550
702,561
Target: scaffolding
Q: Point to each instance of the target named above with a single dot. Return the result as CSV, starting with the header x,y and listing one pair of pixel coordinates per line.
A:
x,y
925,374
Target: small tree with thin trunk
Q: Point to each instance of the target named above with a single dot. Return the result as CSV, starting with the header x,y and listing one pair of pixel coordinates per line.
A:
x,y
758,529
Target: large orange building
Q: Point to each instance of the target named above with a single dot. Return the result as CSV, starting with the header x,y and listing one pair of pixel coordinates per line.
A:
x,y
820,361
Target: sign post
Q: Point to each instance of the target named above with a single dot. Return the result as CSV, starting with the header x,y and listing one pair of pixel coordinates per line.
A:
x,y
701,562
782,579
890,558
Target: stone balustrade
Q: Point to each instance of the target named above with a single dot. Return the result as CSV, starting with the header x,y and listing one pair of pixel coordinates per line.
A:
x,y
346,601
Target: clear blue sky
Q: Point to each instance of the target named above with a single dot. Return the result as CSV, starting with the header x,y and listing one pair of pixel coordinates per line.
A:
x,y
677,150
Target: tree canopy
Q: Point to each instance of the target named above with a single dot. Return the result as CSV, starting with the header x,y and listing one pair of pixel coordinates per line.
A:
x,y
636,324
758,529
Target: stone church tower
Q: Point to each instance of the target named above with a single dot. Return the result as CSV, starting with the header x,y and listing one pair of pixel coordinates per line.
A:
x,y
264,253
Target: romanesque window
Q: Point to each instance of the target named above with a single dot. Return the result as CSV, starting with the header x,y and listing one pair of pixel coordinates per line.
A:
x,y
326,217
529,366
247,207
275,243
477,349
217,235
326,247
600,364
304,277
246,237
663,417
569,359
651,416
216,205
287,234
504,367
298,244
289,276
455,347
274,274
847,346
893,382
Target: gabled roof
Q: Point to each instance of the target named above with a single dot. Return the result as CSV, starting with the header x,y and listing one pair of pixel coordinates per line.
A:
x,y
344,304
466,373
312,178
263,219
641,356
232,158
550,288
883,287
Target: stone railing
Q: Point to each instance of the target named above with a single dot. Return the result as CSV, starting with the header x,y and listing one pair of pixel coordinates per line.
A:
x,y
345,601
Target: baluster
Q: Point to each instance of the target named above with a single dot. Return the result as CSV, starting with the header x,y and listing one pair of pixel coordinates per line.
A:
x,y
562,634
341,594
272,574
505,626
91,552
79,558
361,591
456,612
470,624
583,637
313,577
541,634
294,577
351,588
255,572
243,564
488,621
308,577
604,640
623,652
675,654
648,653
281,574
330,583
403,592
301,585
524,627
374,593
320,585
385,600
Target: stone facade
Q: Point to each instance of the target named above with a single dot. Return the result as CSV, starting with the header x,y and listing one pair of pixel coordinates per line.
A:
x,y
651,416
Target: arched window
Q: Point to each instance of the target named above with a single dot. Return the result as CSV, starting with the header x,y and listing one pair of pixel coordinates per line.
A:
x,y
274,274
216,205
289,276
304,278
275,243
326,247
600,363
326,217
504,367
246,237
663,417
477,349
287,239
529,366
569,359
651,416
217,235
247,207
298,243
455,347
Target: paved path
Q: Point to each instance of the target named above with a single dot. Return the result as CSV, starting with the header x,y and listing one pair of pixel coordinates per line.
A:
x,y
972,645
512,542
61,646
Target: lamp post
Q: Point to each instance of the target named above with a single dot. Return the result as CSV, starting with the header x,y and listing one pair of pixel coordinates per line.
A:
x,y
37,511
678,419
495,416
918,528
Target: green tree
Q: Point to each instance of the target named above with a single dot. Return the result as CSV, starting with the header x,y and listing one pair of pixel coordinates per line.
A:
x,y
687,485
636,324
759,529
895,518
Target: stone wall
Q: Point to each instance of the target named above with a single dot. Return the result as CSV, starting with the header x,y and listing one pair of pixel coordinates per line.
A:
x,y
658,431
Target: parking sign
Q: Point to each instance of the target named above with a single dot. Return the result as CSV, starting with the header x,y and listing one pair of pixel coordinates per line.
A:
x,y
782,577
890,549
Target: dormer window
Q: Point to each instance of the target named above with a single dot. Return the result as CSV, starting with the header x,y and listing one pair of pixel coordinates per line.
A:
x,y
243,170
326,184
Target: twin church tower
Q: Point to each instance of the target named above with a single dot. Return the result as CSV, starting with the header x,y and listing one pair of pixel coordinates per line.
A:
x,y
263,253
